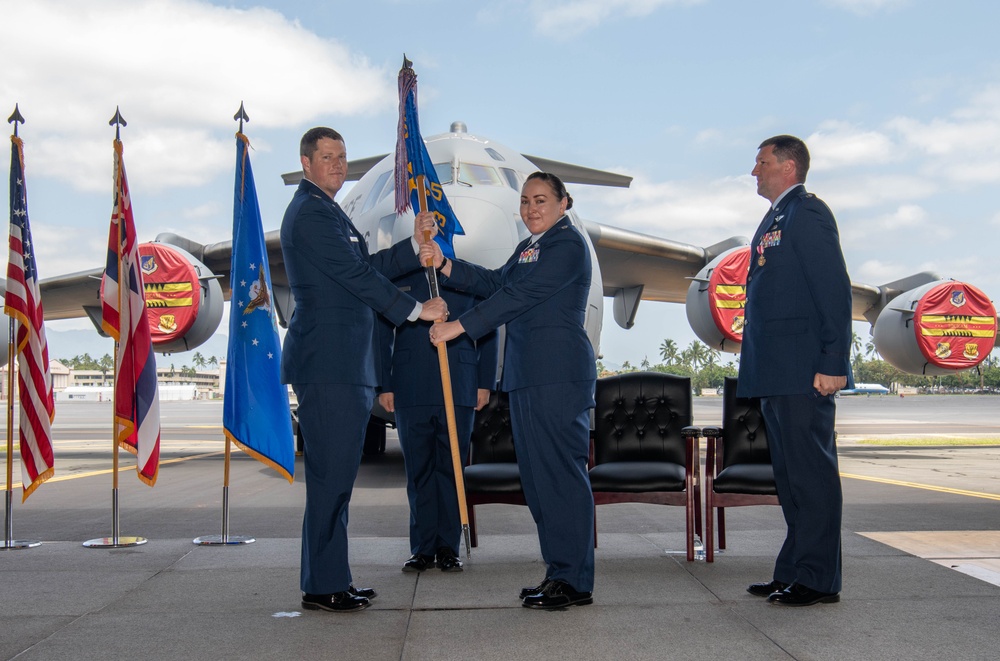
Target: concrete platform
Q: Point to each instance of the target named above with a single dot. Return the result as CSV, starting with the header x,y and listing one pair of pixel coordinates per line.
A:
x,y
171,599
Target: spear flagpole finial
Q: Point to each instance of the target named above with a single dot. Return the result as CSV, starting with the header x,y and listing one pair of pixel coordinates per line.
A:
x,y
242,116
406,63
118,122
15,119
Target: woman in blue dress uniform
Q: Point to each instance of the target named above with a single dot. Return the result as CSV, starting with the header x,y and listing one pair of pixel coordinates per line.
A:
x,y
549,371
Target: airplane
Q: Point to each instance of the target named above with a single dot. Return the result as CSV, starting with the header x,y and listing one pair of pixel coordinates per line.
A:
x,y
865,389
922,324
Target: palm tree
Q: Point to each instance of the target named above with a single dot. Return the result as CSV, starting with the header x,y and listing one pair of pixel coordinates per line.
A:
x,y
645,363
213,361
198,359
668,351
696,355
106,364
856,349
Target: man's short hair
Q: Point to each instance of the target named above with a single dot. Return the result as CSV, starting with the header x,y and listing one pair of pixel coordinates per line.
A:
x,y
789,147
307,146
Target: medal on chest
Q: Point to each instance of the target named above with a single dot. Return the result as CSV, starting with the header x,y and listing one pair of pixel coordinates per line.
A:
x,y
528,255
769,240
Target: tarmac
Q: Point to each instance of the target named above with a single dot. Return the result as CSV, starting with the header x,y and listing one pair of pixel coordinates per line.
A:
x,y
921,543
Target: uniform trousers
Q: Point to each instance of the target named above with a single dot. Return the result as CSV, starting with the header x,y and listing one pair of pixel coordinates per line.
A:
x,y
800,436
551,426
333,419
435,521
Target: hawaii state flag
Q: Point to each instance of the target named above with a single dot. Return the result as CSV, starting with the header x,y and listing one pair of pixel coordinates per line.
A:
x,y
256,414
413,163
137,403
23,303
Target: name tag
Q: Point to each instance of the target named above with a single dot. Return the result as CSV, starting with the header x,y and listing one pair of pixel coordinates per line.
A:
x,y
529,255
354,239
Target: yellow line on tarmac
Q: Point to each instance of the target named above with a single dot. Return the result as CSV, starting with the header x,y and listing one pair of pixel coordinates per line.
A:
x,y
75,476
928,487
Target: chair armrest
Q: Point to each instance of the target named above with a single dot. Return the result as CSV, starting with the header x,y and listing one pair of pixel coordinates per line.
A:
x,y
691,432
712,432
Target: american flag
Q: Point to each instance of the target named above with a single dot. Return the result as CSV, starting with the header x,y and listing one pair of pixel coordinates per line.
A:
x,y
23,304
137,404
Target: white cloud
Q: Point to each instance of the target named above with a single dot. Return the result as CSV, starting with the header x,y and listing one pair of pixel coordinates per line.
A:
x,y
178,70
840,145
565,19
695,212
866,7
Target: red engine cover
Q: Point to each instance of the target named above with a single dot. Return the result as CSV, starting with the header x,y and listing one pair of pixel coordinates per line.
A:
x,y
956,325
173,291
727,293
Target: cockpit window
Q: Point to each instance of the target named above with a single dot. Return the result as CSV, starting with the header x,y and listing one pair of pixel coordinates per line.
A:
x,y
513,180
481,175
494,154
378,187
443,171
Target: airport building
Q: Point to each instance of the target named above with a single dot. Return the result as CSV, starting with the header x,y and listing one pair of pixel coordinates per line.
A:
x,y
177,383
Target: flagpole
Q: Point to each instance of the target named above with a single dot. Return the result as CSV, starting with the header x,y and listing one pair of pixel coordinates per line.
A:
x,y
116,540
8,538
225,539
449,398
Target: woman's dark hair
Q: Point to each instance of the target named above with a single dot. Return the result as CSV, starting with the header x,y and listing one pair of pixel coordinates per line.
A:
x,y
556,184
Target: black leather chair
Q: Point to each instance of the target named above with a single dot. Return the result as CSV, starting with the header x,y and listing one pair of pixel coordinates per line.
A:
x,y
491,475
644,448
738,463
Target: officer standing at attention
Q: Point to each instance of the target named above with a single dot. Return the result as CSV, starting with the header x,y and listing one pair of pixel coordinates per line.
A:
x,y
411,388
795,357
549,370
329,355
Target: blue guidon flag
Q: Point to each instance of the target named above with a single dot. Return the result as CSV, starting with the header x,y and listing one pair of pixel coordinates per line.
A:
x,y
414,170
256,415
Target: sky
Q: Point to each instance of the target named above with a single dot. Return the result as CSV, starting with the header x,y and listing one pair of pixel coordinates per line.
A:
x,y
898,101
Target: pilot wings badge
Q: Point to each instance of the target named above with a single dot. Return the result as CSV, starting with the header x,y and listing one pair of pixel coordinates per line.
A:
x,y
260,297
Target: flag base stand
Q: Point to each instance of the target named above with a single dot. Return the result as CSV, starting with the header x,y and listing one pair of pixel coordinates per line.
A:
x,y
8,541
114,542
225,539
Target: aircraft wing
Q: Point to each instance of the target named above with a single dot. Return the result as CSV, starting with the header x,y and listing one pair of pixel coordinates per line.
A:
x,y
663,268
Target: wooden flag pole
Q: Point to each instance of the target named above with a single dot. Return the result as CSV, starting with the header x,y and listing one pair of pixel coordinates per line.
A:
x,y
449,400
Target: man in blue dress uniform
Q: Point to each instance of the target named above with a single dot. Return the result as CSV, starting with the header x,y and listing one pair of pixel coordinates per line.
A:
x,y
795,357
329,355
411,388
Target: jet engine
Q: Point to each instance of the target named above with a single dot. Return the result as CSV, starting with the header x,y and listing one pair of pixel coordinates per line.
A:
x,y
937,328
183,297
716,300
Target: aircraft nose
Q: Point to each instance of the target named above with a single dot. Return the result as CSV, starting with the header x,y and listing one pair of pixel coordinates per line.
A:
x,y
490,230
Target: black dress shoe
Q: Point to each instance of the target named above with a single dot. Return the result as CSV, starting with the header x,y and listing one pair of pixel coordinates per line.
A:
x,y
418,562
367,593
800,595
766,589
527,592
338,602
447,560
557,594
